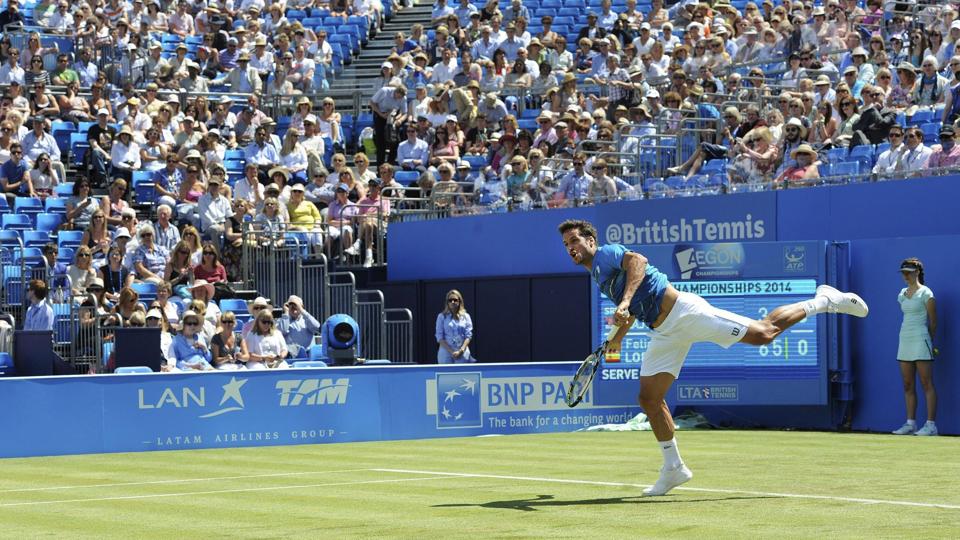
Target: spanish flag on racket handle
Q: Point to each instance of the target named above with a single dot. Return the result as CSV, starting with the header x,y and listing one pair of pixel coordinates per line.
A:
x,y
611,358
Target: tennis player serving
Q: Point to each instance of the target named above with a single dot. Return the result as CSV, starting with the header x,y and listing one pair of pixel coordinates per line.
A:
x,y
677,320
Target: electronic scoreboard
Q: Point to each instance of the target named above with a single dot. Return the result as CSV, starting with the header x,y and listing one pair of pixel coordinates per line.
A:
x,y
750,279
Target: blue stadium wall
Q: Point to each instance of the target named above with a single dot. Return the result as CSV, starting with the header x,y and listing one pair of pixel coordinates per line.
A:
x,y
529,302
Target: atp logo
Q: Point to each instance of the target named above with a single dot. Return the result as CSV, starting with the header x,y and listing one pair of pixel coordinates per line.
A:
x,y
795,258
458,400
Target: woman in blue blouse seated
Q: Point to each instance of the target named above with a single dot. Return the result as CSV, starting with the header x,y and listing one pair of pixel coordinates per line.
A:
x,y
454,331
189,346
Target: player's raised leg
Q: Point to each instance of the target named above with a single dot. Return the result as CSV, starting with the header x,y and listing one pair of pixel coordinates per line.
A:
x,y
653,391
826,300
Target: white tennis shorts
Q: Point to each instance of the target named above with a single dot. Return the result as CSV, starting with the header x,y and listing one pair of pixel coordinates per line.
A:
x,y
692,319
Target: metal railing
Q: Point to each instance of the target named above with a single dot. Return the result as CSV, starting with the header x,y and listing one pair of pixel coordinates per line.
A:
x,y
342,294
399,335
372,321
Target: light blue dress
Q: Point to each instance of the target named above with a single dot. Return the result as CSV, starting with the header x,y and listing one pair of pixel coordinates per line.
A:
x,y
454,331
915,343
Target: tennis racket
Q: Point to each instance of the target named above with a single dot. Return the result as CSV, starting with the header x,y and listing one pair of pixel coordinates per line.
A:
x,y
588,368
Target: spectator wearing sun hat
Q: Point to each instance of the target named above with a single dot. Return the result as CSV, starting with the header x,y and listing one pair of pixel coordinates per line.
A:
x,y
802,170
243,78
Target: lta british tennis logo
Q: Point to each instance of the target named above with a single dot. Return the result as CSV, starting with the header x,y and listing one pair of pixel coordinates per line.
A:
x,y
458,400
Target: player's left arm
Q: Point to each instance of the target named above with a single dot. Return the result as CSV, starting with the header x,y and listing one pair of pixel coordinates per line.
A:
x,y
932,317
635,265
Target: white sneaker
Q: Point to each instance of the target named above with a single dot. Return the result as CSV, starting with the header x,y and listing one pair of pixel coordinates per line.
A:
x,y
906,429
841,302
669,479
368,260
353,250
928,430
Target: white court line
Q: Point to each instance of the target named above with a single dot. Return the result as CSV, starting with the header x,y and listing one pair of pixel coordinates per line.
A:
x,y
220,491
704,490
178,481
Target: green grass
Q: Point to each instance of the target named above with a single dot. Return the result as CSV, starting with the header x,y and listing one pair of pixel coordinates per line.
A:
x,y
330,491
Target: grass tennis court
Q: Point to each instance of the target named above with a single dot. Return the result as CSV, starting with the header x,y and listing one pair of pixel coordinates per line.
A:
x,y
747,484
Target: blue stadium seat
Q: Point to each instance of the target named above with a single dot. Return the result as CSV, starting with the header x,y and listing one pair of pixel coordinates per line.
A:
x,y
236,305
19,222
27,205
55,205
846,169
30,256
931,132
65,255
714,166
70,239
146,291
476,162
10,239
309,364
407,177
142,176
4,206
132,370
7,369
145,193
48,222
922,116
64,190
35,239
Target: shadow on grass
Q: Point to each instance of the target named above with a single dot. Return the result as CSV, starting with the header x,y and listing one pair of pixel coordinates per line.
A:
x,y
530,505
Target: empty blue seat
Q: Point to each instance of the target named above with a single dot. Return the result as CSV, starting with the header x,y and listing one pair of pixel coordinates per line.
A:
x,y
70,239
922,116
132,370
64,190
146,291
19,222
407,177
309,364
236,305
27,205
49,222
35,239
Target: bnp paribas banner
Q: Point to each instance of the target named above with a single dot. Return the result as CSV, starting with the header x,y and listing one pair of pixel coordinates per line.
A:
x,y
123,413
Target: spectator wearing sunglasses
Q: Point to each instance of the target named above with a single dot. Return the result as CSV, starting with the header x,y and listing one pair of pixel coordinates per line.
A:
x,y
264,347
947,153
190,346
454,331
888,158
915,156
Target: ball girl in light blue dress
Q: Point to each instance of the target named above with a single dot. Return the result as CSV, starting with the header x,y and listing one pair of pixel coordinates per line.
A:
x,y
454,331
916,351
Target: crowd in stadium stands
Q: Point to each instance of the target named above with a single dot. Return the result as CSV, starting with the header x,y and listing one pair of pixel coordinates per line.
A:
x,y
136,149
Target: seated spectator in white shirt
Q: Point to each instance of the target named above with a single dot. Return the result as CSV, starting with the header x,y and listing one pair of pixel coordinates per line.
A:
x,y
413,153
888,158
214,210
264,347
298,326
915,157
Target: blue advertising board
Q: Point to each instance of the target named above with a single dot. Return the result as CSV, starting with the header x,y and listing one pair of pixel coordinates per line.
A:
x,y
129,413
522,243
749,279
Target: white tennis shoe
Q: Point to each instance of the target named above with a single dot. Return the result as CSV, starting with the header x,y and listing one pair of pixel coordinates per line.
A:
x,y
906,429
928,430
669,479
841,302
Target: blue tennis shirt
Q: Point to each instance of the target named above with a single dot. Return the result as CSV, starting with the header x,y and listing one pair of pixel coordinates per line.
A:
x,y
610,276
